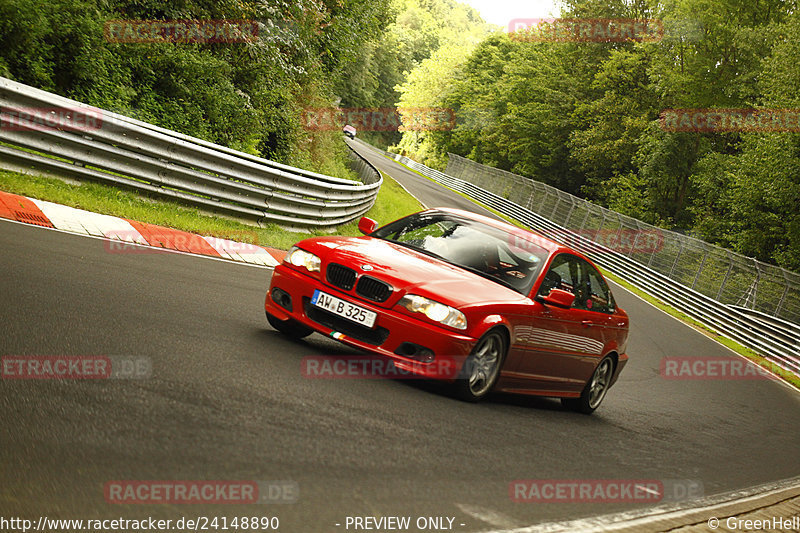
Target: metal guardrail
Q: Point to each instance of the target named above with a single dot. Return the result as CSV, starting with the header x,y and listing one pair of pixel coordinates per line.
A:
x,y
778,343
721,274
127,153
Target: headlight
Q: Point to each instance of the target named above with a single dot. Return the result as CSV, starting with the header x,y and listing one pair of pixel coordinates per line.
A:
x,y
437,312
299,257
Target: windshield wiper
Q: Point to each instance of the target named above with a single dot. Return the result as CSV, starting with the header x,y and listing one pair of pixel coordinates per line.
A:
x,y
487,276
421,250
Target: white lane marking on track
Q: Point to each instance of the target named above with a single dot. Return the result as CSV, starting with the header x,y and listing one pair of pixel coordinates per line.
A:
x,y
629,519
493,518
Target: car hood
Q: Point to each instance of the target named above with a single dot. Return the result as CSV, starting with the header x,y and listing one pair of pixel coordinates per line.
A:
x,y
409,271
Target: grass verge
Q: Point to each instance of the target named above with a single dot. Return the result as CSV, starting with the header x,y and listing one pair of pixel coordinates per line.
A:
x,y
789,377
392,202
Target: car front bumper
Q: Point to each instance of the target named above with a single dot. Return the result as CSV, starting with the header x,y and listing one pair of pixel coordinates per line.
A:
x,y
395,334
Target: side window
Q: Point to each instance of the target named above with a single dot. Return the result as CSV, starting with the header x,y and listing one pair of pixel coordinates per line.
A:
x,y
599,298
583,290
577,276
563,274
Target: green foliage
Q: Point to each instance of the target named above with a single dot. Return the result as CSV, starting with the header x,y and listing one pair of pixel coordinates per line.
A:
x,y
614,121
584,117
420,46
246,95
748,196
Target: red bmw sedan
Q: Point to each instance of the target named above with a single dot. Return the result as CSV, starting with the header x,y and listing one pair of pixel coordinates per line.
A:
x,y
451,295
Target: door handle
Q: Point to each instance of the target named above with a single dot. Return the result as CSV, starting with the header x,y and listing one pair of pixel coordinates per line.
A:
x,y
587,323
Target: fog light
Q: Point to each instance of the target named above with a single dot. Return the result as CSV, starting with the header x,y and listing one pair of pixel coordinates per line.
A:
x,y
426,356
415,351
282,298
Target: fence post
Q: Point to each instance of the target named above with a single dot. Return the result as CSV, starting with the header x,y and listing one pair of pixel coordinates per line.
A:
x,y
619,233
555,207
755,284
544,199
586,217
602,223
700,269
785,292
677,257
725,279
635,238
569,213
529,203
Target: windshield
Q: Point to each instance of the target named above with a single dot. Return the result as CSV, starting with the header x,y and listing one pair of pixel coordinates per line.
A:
x,y
474,246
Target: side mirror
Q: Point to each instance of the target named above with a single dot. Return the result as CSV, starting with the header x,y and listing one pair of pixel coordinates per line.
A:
x,y
558,297
367,225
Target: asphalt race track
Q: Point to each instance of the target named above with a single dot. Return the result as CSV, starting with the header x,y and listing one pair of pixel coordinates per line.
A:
x,y
226,400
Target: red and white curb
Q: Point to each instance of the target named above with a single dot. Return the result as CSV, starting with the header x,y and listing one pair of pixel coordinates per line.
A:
x,y
62,217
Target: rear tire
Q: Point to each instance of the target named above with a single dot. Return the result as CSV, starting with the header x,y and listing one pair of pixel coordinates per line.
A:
x,y
594,391
482,367
290,327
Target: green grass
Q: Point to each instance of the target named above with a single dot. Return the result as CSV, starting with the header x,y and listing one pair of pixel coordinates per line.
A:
x,y
789,377
392,203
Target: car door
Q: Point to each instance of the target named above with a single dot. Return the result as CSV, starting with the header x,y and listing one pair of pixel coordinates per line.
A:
x,y
610,327
562,345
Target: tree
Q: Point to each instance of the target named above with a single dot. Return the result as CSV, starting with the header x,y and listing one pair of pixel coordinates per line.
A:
x,y
749,200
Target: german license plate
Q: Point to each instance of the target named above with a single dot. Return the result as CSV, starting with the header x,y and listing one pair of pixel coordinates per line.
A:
x,y
337,306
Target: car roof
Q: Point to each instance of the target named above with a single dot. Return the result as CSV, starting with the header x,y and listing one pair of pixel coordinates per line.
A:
x,y
546,243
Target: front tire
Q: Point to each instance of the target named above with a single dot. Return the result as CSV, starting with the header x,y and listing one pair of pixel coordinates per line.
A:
x,y
290,328
482,367
595,390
